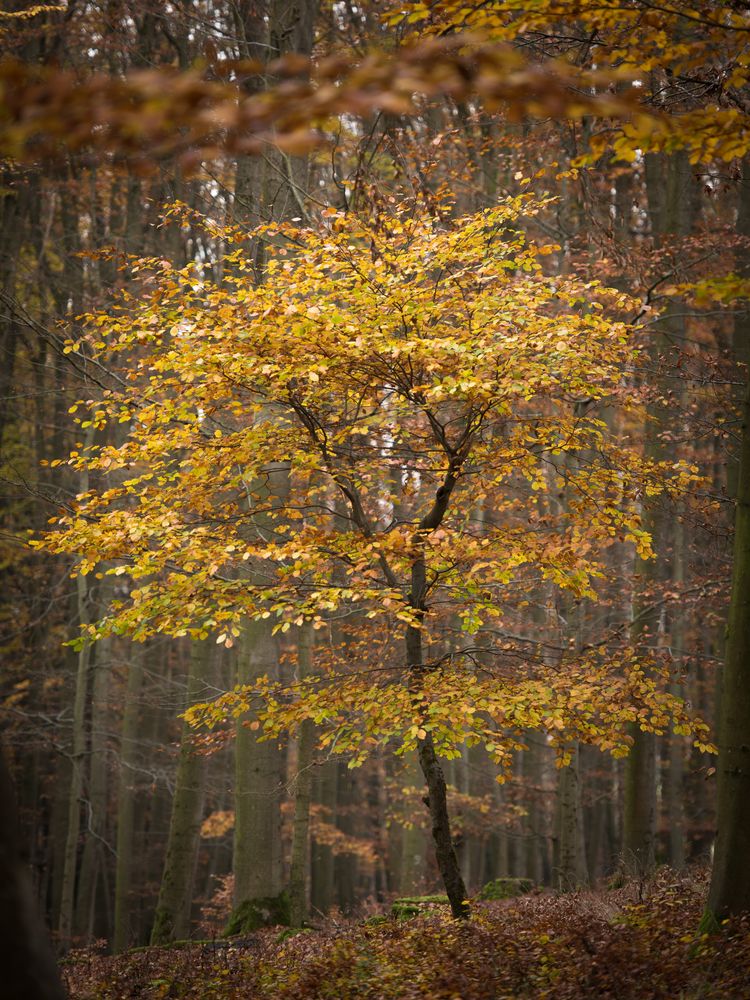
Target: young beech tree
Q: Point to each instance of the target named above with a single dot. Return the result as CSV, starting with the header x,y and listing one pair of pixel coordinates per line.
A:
x,y
428,392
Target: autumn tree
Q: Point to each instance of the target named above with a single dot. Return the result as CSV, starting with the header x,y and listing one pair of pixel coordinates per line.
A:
x,y
428,367
690,68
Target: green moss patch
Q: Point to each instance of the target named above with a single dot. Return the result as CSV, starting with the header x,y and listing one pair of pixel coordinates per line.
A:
x,y
253,914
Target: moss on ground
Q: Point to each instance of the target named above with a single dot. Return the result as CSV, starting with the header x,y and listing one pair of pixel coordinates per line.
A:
x,y
506,888
253,914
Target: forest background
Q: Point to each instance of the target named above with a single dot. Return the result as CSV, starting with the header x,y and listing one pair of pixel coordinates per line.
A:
x,y
622,163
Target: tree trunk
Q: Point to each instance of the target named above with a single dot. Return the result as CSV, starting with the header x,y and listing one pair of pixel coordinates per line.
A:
x,y
266,186
172,919
26,959
730,876
258,782
412,839
70,860
345,864
298,876
639,819
675,778
126,802
323,863
94,868
535,843
571,869
437,799
671,192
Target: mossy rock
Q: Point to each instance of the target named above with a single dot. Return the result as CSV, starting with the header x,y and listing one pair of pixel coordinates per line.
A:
x,y
413,906
252,914
506,888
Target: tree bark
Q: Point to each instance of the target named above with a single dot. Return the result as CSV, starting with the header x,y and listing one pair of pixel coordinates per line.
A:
x,y
671,191
675,778
126,802
412,839
172,919
26,959
323,863
92,921
730,876
258,782
298,875
571,869
437,798
70,859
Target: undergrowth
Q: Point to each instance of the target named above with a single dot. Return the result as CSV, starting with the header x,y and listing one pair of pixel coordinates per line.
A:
x,y
636,943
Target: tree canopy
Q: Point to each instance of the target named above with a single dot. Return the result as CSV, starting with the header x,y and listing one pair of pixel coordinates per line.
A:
x,y
427,395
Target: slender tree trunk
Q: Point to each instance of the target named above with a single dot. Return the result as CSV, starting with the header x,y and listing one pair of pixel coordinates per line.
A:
x,y
382,877
325,795
57,835
70,860
730,877
172,919
639,816
126,802
94,868
346,865
501,867
675,778
437,799
437,803
153,811
298,876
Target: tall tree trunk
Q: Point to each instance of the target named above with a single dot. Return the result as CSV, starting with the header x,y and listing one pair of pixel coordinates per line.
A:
x,y
26,959
323,861
412,839
298,875
264,186
535,842
571,873
345,864
675,778
127,791
639,817
730,876
172,919
258,782
78,751
671,191
501,839
94,868
437,799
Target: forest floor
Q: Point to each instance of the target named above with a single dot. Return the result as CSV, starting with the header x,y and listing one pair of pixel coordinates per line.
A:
x,y
637,942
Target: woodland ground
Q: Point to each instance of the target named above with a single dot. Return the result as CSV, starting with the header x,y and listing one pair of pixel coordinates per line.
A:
x,y
640,941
